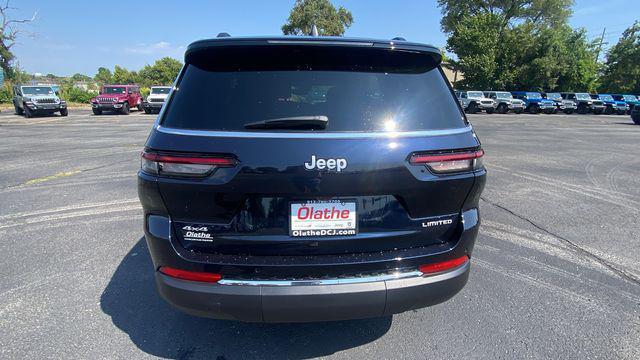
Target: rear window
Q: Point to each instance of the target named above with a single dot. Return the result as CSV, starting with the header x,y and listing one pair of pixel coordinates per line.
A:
x,y
363,99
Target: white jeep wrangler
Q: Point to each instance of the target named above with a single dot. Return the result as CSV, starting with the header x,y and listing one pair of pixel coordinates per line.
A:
x,y
474,101
158,95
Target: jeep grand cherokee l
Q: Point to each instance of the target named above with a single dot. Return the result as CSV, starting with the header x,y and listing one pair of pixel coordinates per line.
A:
x,y
326,179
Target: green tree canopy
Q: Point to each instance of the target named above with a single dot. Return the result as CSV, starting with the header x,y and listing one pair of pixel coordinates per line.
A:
x,y
329,20
518,44
622,68
103,76
80,77
163,72
550,12
124,76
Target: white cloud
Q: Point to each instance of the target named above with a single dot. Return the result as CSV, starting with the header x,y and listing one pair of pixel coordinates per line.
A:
x,y
157,48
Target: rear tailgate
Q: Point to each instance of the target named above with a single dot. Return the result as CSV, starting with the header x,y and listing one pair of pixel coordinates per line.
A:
x,y
383,105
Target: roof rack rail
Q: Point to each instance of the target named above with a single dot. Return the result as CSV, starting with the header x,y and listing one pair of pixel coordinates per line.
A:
x,y
223,34
399,38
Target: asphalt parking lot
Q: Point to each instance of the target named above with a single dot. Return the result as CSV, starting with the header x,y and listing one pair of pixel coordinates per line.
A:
x,y
555,272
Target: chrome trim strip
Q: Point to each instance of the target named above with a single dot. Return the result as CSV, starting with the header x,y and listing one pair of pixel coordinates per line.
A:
x,y
417,275
313,135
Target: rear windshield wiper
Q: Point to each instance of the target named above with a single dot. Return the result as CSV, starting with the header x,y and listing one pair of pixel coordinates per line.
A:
x,y
314,122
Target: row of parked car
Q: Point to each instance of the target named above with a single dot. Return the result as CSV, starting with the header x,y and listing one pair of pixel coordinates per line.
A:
x,y
30,100
549,103
120,98
43,99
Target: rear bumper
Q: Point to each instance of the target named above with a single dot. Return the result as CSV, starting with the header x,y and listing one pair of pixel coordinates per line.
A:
x,y
270,301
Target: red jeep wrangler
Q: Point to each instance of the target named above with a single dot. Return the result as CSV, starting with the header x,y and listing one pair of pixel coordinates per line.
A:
x,y
117,98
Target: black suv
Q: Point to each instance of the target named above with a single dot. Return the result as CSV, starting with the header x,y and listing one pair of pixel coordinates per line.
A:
x,y
328,179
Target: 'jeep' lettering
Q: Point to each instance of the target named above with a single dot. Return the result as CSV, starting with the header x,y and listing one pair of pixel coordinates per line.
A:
x,y
338,164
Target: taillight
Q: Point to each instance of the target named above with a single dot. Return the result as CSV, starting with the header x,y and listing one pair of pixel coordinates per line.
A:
x,y
444,163
443,266
183,165
190,275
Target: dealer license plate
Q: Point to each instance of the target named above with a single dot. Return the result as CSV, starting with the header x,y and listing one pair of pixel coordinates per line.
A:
x,y
323,218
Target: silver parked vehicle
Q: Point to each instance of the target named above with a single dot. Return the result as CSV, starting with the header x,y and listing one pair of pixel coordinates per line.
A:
x,y
474,101
505,102
37,99
566,106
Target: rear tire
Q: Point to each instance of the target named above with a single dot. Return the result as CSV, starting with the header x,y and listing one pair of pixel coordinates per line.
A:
x,y
125,109
582,109
97,112
64,112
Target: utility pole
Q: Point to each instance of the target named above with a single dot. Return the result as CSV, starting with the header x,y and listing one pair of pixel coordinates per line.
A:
x,y
600,44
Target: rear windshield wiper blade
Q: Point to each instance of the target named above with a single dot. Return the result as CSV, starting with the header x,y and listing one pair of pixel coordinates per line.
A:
x,y
313,122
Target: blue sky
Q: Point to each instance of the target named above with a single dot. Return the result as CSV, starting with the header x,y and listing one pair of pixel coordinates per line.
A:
x,y
79,36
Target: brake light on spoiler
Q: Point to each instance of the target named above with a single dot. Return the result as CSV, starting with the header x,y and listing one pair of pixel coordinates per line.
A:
x,y
183,165
446,163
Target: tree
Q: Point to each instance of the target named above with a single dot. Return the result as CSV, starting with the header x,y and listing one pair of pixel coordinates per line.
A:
x,y
9,32
162,72
549,12
622,68
77,77
103,76
124,76
306,13
517,44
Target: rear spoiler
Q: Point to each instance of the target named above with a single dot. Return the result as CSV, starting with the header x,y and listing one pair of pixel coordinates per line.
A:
x,y
230,53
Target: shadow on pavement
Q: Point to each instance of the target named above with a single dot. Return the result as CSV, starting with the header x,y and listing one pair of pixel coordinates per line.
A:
x,y
154,327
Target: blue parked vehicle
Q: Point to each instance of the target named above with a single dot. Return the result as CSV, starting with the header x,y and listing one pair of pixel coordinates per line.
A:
x,y
612,105
534,102
632,101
